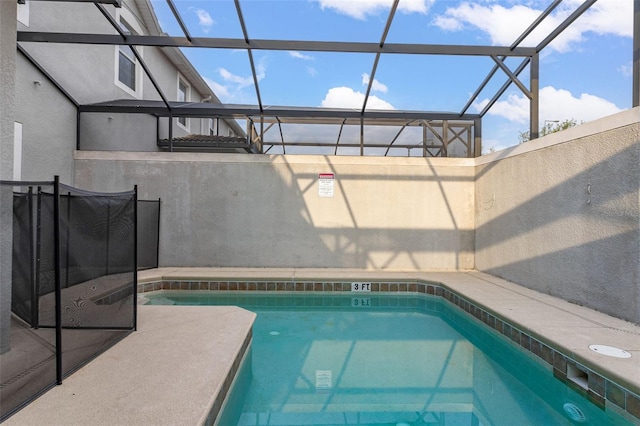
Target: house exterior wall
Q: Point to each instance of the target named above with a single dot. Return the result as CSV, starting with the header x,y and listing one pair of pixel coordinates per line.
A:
x,y
85,71
89,74
266,211
7,122
118,132
48,126
562,217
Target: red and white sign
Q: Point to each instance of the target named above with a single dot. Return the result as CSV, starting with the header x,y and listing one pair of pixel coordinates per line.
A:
x,y
326,184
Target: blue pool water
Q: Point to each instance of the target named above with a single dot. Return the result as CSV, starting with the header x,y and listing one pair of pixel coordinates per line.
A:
x,y
386,360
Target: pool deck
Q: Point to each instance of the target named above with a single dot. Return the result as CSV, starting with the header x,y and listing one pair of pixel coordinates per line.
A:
x,y
170,370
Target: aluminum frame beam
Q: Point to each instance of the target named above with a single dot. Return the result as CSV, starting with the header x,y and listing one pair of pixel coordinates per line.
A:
x,y
193,109
257,44
515,44
116,3
331,116
563,26
385,32
249,52
125,38
176,15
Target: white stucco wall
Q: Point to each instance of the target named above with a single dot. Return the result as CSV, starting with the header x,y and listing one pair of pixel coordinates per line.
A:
x,y
561,215
265,211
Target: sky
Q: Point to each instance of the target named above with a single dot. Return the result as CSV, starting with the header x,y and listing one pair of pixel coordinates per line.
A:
x,y
585,73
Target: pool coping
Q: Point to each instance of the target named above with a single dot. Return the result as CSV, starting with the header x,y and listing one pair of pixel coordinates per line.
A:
x,y
169,371
554,330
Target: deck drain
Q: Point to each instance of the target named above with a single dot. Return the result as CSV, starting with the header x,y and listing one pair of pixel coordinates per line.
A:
x,y
610,351
574,412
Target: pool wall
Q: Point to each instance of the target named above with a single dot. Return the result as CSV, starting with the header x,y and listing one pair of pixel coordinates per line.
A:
x,y
559,214
563,217
600,389
235,210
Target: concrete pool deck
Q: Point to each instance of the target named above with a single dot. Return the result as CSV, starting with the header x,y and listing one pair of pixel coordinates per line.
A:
x,y
171,369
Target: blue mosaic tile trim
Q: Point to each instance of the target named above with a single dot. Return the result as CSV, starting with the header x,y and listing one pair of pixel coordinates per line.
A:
x,y
598,389
228,381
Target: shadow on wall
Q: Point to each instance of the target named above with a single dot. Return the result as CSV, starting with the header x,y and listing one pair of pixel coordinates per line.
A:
x,y
578,239
235,210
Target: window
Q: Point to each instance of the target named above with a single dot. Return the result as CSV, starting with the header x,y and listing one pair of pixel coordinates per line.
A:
x,y
128,72
23,13
183,96
127,61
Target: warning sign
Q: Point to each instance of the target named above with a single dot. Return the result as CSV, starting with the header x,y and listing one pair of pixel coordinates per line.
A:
x,y
326,185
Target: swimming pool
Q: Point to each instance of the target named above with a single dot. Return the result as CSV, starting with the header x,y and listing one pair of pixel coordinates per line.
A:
x,y
386,360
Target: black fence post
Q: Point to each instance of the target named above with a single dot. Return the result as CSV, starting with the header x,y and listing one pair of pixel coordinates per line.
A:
x,y
32,262
135,258
108,233
67,242
56,249
38,262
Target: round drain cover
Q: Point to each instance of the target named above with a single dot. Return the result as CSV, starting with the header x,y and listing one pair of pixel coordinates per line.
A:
x,y
610,351
574,412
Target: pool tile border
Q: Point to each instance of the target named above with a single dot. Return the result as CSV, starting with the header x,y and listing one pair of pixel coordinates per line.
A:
x,y
597,388
218,402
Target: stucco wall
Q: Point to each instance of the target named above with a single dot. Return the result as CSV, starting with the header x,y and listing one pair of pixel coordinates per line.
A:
x,y
265,211
48,126
88,74
7,120
118,132
83,70
562,215
559,215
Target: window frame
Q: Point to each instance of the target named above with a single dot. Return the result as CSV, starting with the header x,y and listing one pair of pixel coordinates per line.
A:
x,y
129,24
212,126
183,122
22,14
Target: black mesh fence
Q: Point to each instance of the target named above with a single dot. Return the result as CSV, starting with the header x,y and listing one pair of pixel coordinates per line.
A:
x,y
73,283
148,233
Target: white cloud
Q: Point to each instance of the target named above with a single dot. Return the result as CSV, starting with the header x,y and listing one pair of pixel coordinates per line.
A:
x,y
626,69
345,97
204,19
299,55
609,17
221,91
555,104
360,9
312,71
232,78
376,86
242,82
504,25
237,88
